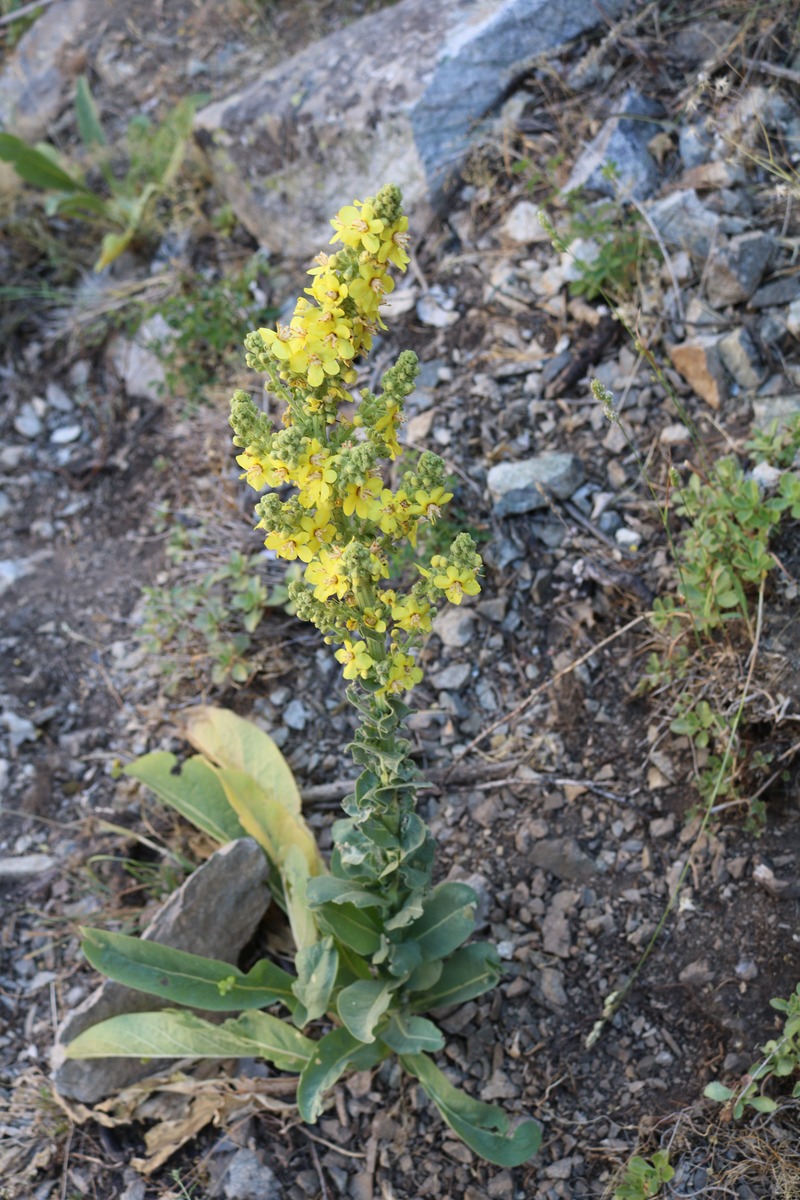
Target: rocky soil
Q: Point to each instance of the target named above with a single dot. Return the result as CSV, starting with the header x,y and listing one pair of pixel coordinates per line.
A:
x,y
557,790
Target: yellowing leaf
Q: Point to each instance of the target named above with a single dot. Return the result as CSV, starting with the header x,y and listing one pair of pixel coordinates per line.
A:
x,y
265,818
230,741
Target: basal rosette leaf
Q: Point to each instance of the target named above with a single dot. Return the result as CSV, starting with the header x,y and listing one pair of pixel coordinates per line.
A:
x,y
332,1056
194,790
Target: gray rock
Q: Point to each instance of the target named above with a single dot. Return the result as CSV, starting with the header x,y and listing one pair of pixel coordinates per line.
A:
x,y
213,913
295,715
793,318
514,486
5,506
344,116
27,423
25,866
451,678
36,77
522,224
774,408
137,365
556,936
695,144
437,309
550,985
249,1178
779,292
735,269
622,141
65,434
684,221
455,625
13,569
563,858
20,729
57,398
741,359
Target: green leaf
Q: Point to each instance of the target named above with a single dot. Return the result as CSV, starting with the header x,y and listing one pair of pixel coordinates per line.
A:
x,y
353,927
79,204
762,1104
185,978
294,873
333,1054
717,1091
470,972
326,889
362,1004
89,124
484,1128
230,741
408,913
112,245
412,1035
195,792
35,167
447,920
265,818
317,967
178,1034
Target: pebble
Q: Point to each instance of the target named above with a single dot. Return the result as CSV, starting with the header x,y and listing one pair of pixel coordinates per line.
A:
x,y
65,434
27,423
249,1178
295,715
5,505
25,866
436,308
20,729
455,626
627,538
451,678
735,270
57,398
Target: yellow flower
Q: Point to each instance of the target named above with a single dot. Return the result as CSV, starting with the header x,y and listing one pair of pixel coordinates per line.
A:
x,y
326,577
429,505
355,658
403,674
412,615
357,226
314,475
457,583
369,288
289,545
394,242
255,471
359,498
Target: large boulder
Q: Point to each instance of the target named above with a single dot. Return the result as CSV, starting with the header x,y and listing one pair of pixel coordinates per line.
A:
x,y
214,913
398,96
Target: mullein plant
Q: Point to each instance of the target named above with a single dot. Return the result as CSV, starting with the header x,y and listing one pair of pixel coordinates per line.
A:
x,y
377,943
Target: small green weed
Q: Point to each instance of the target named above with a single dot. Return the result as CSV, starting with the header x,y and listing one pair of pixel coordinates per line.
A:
x,y
781,1061
644,1176
100,190
203,628
206,317
723,560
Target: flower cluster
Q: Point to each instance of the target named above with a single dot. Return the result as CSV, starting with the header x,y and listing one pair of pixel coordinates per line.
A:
x,y
343,521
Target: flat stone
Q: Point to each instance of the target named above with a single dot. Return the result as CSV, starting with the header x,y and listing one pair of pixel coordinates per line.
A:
x,y
455,625
698,361
249,1178
215,913
741,359
556,936
451,678
622,141
774,408
137,365
37,76
65,434
25,866
27,423
563,858
521,224
735,270
550,985
514,486
775,294
284,143
696,973
295,715
57,398
683,220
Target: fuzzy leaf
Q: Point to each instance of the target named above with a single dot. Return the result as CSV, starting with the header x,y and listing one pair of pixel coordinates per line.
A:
x,y
185,978
352,926
317,967
447,920
362,1004
266,819
196,792
717,1091
412,1035
294,872
484,1128
332,1055
230,741
468,973
326,889
178,1034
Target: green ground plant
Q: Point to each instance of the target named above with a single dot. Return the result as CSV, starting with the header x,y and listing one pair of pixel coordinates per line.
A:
x,y
723,559
644,1176
206,317
115,188
378,944
781,1060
